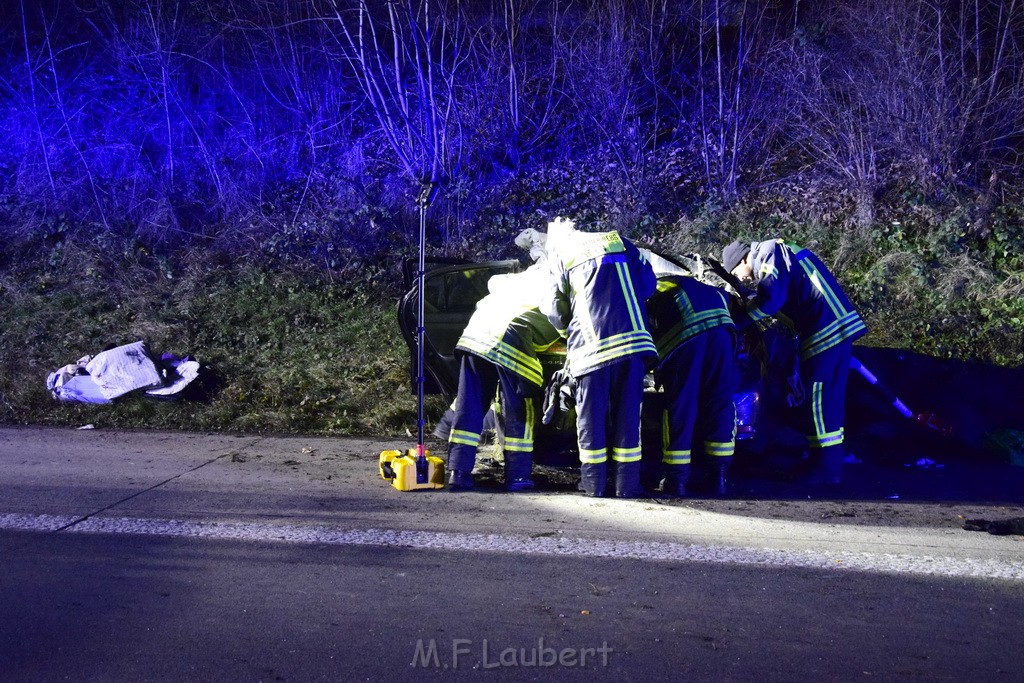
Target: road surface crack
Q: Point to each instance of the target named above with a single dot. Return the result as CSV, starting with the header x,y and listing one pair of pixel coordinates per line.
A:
x,y
232,454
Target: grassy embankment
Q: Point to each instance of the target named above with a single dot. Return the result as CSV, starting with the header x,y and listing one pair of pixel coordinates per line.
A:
x,y
289,353
295,352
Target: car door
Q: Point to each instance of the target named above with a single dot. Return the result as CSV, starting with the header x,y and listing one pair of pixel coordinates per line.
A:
x,y
451,293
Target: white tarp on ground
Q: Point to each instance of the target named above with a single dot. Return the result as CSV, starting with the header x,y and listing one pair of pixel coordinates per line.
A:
x,y
124,369
178,374
119,371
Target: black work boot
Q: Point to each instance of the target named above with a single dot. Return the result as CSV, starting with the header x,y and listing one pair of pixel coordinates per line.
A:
x,y
627,480
676,477
517,471
719,483
460,480
593,479
828,471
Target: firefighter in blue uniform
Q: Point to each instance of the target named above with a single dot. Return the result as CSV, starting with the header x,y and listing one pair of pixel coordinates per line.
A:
x,y
696,340
600,283
792,283
498,354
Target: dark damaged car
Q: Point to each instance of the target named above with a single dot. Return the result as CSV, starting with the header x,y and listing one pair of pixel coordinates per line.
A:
x,y
965,418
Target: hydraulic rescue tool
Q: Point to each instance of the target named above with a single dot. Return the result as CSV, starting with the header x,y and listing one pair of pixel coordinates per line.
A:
x,y
924,418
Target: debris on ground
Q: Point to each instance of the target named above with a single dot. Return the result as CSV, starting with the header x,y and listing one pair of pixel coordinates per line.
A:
x,y
838,513
121,370
998,527
926,464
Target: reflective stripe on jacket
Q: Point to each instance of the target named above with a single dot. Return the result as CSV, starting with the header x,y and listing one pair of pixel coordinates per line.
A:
x,y
511,343
793,282
600,283
683,308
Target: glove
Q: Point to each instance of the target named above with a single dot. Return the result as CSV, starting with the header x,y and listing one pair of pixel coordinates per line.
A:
x,y
559,396
533,242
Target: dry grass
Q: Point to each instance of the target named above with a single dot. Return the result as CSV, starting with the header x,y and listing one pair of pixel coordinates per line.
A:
x,y
962,276
290,354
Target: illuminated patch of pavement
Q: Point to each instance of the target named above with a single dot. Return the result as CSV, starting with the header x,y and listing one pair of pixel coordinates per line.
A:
x,y
570,547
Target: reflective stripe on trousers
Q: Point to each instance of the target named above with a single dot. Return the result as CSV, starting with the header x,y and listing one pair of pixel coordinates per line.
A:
x,y
479,382
825,377
699,379
608,403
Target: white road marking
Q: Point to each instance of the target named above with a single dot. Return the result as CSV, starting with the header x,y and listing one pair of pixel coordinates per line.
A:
x,y
572,547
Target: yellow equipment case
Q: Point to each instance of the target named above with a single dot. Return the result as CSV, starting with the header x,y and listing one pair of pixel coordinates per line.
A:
x,y
408,471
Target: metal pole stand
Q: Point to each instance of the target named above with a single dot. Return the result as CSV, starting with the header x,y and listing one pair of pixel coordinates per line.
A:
x,y
428,191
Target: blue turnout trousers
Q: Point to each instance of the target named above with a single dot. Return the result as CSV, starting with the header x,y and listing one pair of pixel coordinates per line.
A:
x,y
479,380
699,379
824,377
608,403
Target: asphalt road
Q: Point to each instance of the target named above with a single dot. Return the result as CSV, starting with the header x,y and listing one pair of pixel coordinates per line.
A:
x,y
166,556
